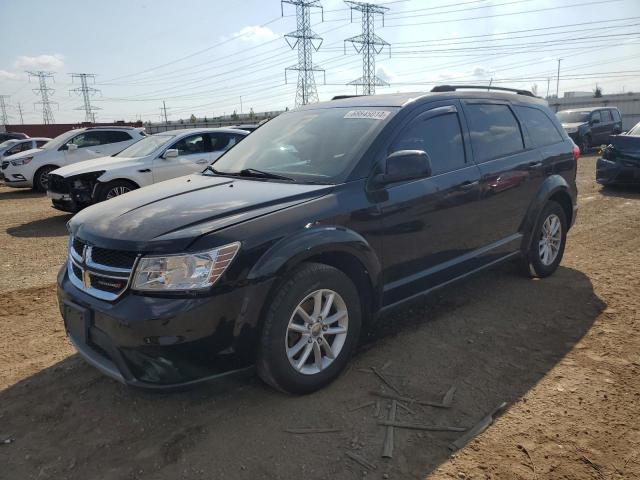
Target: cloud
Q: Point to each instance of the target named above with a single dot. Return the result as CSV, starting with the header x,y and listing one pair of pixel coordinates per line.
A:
x,y
386,74
6,75
41,62
481,72
256,33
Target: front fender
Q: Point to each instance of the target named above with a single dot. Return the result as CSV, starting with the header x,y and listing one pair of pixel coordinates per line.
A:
x,y
553,185
314,241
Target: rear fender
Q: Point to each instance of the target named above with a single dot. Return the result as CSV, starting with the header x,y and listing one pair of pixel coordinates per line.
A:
x,y
554,187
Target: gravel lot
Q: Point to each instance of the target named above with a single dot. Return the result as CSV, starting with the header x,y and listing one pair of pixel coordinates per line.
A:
x,y
564,353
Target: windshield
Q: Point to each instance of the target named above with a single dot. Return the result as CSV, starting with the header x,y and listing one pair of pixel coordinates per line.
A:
x,y
8,143
146,146
573,117
320,146
60,140
635,131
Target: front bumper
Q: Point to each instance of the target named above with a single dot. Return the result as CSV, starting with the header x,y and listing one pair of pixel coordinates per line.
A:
x,y
64,202
163,342
611,172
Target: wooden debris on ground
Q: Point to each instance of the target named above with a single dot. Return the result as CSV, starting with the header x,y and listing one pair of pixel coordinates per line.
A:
x,y
386,381
302,431
418,426
387,449
361,406
376,413
477,429
361,460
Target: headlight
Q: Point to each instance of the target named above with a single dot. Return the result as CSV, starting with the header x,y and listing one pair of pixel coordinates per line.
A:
x,y
184,272
571,129
22,161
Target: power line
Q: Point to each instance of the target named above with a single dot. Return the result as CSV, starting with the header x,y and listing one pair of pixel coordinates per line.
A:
x,y
86,92
44,92
307,41
368,44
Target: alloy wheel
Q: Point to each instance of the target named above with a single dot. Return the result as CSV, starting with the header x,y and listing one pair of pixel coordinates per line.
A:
x,y
550,239
116,191
317,331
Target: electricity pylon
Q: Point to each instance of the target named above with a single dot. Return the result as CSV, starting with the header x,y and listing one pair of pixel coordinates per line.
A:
x,y
86,91
307,41
4,117
44,92
368,44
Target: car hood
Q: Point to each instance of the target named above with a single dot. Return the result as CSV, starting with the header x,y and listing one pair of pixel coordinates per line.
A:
x,y
26,153
573,125
97,164
168,216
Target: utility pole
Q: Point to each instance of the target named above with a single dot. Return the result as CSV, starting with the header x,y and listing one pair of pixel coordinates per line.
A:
x,y
163,112
4,117
306,40
368,44
558,80
44,92
548,83
20,113
240,103
86,92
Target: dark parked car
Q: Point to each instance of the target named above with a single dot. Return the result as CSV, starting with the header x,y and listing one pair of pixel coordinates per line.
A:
x,y
4,136
325,217
591,126
620,161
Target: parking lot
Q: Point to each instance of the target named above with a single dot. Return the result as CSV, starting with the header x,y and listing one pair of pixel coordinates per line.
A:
x,y
563,352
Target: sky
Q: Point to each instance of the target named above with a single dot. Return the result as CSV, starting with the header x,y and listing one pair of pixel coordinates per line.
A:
x,y
211,57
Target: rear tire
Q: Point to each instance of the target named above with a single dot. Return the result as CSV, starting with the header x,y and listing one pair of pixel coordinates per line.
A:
x,y
114,189
40,178
547,242
315,316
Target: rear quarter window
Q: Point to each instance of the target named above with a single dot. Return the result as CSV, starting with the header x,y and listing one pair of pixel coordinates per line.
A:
x,y
494,130
116,136
539,126
616,115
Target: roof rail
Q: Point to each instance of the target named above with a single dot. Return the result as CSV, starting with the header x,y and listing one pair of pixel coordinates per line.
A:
x,y
124,127
340,97
453,88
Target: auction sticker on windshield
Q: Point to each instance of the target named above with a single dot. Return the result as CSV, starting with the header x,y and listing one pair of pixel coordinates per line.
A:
x,y
372,114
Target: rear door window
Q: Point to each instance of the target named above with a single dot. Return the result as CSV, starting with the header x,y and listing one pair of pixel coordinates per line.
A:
x,y
606,116
541,129
440,137
191,145
220,141
116,136
494,130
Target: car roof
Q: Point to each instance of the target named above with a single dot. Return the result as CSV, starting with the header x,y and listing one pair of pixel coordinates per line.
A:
x,y
189,131
407,98
587,109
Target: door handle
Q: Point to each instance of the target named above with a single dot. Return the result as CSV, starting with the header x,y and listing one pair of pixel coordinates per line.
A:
x,y
201,161
468,185
534,165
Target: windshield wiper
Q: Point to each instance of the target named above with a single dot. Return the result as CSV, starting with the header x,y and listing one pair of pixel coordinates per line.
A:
x,y
253,172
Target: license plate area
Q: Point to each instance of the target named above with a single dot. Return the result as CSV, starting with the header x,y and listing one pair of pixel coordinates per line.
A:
x,y
77,320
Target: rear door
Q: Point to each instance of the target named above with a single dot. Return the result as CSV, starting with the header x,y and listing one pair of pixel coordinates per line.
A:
x,y
194,152
428,223
510,172
599,129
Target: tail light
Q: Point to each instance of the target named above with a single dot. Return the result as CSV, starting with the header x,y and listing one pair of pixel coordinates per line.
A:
x,y
576,152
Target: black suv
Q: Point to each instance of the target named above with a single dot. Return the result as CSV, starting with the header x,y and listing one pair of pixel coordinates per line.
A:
x,y
293,241
591,126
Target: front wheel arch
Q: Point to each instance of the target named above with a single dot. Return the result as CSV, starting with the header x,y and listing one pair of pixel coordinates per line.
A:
x,y
36,176
102,188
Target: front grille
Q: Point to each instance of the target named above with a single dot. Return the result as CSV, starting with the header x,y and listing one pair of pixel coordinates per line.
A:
x,y
57,184
100,272
5,165
113,258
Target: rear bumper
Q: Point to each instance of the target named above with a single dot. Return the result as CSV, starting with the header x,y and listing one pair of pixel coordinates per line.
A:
x,y
166,343
609,173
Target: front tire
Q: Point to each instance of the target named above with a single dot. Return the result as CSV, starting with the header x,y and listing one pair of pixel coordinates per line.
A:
x,y
41,178
114,189
548,241
311,329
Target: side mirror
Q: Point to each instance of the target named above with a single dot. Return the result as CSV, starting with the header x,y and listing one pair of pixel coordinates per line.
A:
x,y
72,146
405,165
170,153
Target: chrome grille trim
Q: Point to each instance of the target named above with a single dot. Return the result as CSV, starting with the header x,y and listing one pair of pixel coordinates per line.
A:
x,y
96,271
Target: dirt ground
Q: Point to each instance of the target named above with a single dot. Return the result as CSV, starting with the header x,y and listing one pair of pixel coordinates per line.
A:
x,y
563,352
